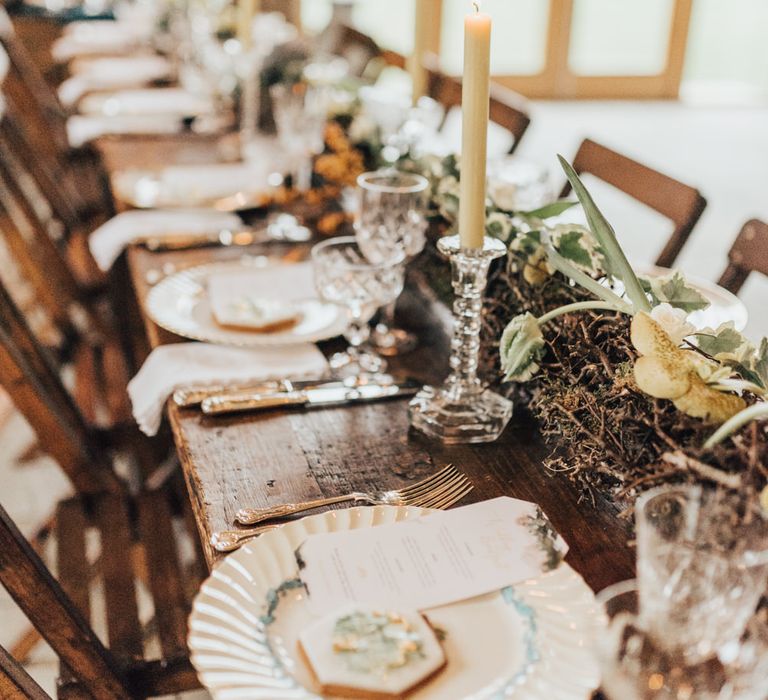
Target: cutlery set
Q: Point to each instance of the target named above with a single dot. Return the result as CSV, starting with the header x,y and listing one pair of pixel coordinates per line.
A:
x,y
281,228
440,491
221,400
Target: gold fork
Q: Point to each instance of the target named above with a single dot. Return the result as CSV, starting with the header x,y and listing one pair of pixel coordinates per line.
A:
x,y
442,498
408,496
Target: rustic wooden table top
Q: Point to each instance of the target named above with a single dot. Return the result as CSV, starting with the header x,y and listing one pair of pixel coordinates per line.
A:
x,y
270,458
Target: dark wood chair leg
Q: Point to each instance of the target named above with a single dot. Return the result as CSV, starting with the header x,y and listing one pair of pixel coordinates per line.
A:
x,y
16,683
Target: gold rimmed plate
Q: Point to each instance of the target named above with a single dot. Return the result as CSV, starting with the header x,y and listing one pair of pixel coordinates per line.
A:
x,y
180,304
530,641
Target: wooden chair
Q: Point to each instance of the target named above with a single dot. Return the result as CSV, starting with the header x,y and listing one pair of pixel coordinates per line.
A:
x,y
749,253
680,203
83,339
142,539
45,182
357,48
45,126
508,109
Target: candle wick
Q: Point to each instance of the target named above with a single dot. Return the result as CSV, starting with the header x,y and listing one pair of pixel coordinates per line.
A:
x,y
476,5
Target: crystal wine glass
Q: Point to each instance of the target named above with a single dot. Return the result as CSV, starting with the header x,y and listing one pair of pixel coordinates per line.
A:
x,y
391,223
702,568
300,113
344,276
635,666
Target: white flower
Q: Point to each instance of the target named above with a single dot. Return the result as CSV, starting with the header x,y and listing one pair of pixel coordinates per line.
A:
x,y
521,347
503,194
432,166
673,321
362,129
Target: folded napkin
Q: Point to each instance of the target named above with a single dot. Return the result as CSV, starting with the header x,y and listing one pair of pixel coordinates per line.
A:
x,y
93,74
160,101
195,183
84,128
109,240
262,298
171,367
98,37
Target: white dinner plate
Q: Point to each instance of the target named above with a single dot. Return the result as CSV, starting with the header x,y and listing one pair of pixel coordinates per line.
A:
x,y
180,304
530,641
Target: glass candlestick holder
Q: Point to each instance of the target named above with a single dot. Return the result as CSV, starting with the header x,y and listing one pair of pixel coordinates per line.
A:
x,y
462,410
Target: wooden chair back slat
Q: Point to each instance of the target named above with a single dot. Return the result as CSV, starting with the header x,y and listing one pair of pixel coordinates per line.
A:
x,y
680,203
165,578
50,175
43,259
29,90
124,628
356,47
45,122
16,683
50,610
39,264
749,253
508,109
33,383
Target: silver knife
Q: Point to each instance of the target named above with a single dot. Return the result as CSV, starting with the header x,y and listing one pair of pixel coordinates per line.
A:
x,y
193,395
318,397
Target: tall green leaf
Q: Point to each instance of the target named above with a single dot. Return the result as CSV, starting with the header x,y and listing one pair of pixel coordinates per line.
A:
x,y
550,210
602,292
616,261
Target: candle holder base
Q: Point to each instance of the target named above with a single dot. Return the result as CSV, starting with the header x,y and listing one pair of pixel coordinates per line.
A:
x,y
467,418
462,410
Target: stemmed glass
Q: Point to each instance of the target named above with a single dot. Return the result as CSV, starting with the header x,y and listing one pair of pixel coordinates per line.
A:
x,y
635,665
300,113
689,627
344,276
389,108
391,223
702,562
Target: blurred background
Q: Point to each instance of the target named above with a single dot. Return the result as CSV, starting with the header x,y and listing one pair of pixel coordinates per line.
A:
x,y
680,85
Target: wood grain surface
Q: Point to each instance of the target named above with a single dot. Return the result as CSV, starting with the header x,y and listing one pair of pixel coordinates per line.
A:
x,y
267,459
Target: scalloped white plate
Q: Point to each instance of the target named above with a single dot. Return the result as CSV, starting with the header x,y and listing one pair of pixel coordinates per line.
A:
x,y
531,641
180,304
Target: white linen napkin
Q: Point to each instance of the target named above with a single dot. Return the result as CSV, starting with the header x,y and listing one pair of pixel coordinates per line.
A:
x,y
111,238
191,185
92,74
98,37
178,101
84,128
171,367
262,297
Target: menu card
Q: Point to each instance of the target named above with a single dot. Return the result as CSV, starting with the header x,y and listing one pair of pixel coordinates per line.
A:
x,y
438,559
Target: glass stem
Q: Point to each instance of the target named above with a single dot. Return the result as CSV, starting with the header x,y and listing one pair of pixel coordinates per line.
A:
x,y
304,173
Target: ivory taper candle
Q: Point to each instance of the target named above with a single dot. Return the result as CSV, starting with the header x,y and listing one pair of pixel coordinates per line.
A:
x,y
246,11
474,139
420,44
